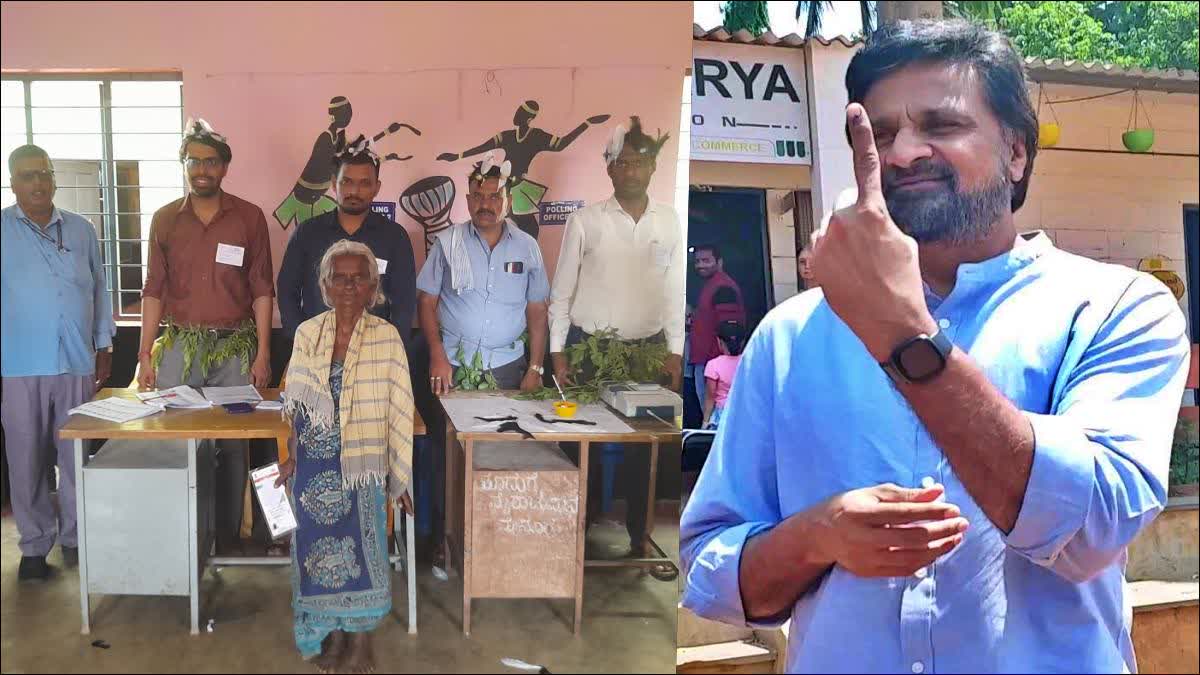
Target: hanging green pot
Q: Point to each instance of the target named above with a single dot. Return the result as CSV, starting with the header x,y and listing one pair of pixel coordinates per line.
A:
x,y
1138,140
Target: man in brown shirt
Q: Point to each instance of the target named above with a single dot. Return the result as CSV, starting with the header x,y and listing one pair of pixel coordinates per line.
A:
x,y
210,277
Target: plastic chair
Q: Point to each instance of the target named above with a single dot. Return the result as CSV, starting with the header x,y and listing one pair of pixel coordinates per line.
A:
x,y
696,445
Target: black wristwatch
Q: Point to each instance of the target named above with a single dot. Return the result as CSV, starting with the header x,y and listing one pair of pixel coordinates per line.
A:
x,y
919,359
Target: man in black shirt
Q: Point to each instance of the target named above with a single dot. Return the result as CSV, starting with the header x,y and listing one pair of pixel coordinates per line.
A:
x,y
356,184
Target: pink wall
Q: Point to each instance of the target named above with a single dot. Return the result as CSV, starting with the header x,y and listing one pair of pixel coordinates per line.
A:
x,y
263,74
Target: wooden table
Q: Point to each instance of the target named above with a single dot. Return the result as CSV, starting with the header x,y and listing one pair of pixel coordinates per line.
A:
x,y
460,463
192,426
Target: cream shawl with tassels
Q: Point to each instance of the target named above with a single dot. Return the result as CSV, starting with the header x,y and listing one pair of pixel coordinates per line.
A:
x,y
376,403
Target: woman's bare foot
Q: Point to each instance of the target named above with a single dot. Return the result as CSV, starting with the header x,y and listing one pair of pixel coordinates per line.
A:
x,y
358,657
332,648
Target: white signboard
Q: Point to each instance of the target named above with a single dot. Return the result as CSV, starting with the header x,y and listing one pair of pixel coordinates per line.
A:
x,y
749,104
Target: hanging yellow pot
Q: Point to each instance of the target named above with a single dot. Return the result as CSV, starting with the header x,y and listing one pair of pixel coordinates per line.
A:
x,y
1048,135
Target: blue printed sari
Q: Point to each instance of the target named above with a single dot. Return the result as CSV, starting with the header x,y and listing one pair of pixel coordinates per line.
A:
x,y
340,574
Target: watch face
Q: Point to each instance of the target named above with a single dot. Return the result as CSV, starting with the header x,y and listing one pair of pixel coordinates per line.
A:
x,y
920,360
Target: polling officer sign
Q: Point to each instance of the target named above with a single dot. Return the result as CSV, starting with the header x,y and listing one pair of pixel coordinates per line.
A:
x,y
749,104
556,213
386,209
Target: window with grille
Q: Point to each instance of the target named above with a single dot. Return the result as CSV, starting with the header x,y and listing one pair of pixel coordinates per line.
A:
x,y
114,143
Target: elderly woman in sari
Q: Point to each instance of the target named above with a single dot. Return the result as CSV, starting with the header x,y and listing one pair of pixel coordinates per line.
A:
x,y
349,396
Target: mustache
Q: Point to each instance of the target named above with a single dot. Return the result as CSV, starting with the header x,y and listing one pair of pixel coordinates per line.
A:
x,y
923,170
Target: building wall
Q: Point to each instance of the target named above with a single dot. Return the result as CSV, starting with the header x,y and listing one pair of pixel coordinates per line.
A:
x,y
1116,207
833,165
1166,640
263,74
743,174
781,240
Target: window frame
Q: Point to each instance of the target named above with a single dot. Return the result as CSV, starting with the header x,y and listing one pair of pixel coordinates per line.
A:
x,y
110,234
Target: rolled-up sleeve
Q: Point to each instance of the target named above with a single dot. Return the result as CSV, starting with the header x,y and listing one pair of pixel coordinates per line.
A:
x,y
262,274
675,289
103,328
429,281
291,282
1101,457
735,497
566,276
538,289
156,265
401,285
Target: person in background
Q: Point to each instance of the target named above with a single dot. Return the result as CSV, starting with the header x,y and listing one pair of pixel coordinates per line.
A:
x,y
356,183
484,285
210,278
57,329
719,371
804,268
622,267
720,301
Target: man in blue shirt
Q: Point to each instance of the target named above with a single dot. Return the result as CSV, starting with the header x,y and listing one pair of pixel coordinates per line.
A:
x,y
965,507
482,285
57,348
357,184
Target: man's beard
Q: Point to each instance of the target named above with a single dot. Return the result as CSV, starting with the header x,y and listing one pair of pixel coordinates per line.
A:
x,y
206,192
947,214
354,210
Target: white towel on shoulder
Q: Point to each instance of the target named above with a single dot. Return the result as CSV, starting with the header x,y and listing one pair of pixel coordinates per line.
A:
x,y
454,247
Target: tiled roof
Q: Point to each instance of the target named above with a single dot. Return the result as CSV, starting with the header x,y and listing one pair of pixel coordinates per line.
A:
x,y
1108,75
1038,69
768,39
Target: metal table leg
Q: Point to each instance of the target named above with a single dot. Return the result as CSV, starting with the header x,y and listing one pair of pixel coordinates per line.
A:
x,y
193,536
468,548
581,534
81,528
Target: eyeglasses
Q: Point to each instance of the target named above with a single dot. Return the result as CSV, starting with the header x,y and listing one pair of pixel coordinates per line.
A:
x,y
350,280
207,162
35,175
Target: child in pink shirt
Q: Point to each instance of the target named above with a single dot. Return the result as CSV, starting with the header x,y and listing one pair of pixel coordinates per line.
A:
x,y
718,373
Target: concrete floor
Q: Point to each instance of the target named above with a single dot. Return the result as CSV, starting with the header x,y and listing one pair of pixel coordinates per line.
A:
x,y
629,623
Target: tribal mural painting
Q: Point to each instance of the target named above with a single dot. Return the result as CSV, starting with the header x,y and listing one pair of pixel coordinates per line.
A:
x,y
308,197
521,144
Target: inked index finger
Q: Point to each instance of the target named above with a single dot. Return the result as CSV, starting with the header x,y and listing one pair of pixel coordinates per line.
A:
x,y
866,156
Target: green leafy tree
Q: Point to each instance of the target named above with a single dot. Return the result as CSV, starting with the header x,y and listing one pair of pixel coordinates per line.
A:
x,y
1153,34
750,15
872,13
1158,34
1142,34
1062,30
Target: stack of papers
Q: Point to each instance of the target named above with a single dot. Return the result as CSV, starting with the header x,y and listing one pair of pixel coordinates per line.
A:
x,y
269,405
182,396
117,410
227,395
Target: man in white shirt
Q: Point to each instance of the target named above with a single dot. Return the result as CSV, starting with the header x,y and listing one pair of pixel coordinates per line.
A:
x,y
622,262
622,267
